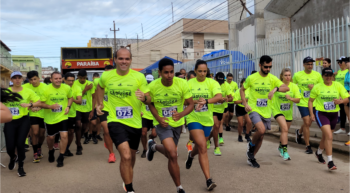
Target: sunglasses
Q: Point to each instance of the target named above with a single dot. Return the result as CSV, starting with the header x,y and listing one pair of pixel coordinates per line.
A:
x,y
266,67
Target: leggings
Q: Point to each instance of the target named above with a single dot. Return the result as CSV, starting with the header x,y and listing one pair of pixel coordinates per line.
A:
x,y
342,116
16,133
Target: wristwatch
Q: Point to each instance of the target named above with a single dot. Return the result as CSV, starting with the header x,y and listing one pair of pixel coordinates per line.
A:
x,y
31,104
68,107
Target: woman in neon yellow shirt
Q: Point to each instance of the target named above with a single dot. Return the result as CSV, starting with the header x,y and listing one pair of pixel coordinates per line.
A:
x,y
326,96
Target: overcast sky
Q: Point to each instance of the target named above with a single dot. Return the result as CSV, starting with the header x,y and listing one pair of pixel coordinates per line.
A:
x,y
41,27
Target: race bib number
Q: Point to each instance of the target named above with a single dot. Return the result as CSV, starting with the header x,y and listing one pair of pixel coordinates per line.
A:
x,y
14,111
147,108
329,106
203,109
285,106
217,103
57,110
105,98
83,102
124,112
168,111
261,103
307,94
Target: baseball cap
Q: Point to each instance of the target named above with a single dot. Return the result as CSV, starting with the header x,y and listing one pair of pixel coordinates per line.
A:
x,y
149,78
16,73
308,59
220,77
346,59
327,71
341,59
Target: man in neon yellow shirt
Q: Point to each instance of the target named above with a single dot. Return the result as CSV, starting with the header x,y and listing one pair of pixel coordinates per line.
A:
x,y
306,80
228,114
57,100
95,123
262,86
127,88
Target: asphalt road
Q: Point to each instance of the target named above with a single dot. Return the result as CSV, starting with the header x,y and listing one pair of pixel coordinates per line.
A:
x,y
90,172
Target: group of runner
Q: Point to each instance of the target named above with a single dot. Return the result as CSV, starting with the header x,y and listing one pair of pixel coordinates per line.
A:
x,y
127,105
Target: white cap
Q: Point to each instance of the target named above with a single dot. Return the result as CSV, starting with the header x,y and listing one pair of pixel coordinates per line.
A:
x,y
149,78
11,83
341,57
16,73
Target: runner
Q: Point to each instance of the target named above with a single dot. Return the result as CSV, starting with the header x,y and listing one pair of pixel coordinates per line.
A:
x,y
57,100
282,110
262,86
228,115
206,92
126,88
326,97
17,130
306,80
77,99
36,116
168,96
191,74
95,124
218,110
242,115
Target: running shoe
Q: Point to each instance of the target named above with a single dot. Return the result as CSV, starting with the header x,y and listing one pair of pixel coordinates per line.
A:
x,y
253,163
280,150
60,161
298,136
126,190
189,160
79,150
331,166
208,144
51,155
250,152
247,138
240,138
35,158
210,184
228,128
137,152
21,172
320,158
189,146
181,191
40,155
12,163
143,155
111,158
150,152
221,141
94,139
26,147
217,151
87,140
308,150
347,143
68,153
183,129
99,137
55,146
286,156
340,131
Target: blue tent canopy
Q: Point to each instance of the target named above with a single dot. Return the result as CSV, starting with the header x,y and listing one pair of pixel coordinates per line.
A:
x,y
149,68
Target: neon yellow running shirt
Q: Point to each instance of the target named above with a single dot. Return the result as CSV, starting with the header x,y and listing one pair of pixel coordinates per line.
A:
x,y
237,96
303,80
38,90
234,88
146,112
105,96
225,90
340,77
86,105
76,91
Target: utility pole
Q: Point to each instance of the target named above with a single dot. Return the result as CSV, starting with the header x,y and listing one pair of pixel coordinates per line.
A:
x,y
172,10
115,40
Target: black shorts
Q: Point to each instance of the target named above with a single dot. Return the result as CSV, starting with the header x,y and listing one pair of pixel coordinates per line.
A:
x,y
71,123
121,133
53,129
82,116
147,123
218,115
283,116
104,116
37,121
240,111
231,108
94,116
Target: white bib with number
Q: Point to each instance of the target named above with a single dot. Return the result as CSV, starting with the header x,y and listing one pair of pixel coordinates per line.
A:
x,y
147,108
83,102
261,103
168,111
14,111
217,103
285,106
57,110
307,94
124,112
105,98
328,106
203,109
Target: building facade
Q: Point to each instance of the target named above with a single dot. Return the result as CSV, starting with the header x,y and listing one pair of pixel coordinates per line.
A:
x,y
27,63
6,65
109,42
46,71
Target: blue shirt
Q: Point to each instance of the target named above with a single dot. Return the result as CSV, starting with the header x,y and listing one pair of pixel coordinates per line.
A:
x,y
347,81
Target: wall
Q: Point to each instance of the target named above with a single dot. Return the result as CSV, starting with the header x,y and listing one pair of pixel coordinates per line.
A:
x,y
28,60
198,47
245,31
234,12
38,63
219,40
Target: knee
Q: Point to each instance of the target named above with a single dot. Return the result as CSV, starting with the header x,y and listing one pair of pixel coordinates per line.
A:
x,y
172,156
144,133
126,158
36,132
202,148
261,132
329,136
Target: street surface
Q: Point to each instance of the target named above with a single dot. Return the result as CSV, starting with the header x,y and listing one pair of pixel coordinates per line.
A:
x,y
90,172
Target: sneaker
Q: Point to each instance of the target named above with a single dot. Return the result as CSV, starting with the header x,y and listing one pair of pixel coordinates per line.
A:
x,y
347,143
286,156
253,163
143,155
111,158
21,172
35,158
40,155
60,161
125,189
331,166
298,136
51,155
99,137
208,144
68,153
181,191
189,146
320,158
150,152
210,184
183,129
240,138
89,137
87,140
137,152
228,128
79,150
247,138
12,163
250,152
308,150
217,151
189,160
349,134
340,131
94,139
26,147
55,146
221,141
280,151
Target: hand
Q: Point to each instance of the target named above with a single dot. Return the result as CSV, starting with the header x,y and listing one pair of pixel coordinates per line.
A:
x,y
162,122
337,101
200,104
310,86
55,106
247,108
271,94
25,105
140,95
99,110
88,87
288,97
141,114
176,116
312,117
35,109
66,111
91,114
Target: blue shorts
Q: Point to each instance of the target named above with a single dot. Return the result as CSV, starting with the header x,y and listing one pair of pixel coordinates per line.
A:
x,y
195,125
304,111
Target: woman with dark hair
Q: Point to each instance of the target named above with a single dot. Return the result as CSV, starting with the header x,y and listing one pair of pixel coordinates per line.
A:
x,y
7,96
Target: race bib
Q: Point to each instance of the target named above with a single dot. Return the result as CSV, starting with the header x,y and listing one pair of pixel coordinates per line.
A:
x,y
261,103
217,103
285,107
105,98
203,109
14,111
124,112
147,108
307,94
168,111
329,106
83,102
57,110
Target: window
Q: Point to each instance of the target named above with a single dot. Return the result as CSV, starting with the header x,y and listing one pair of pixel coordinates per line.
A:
x,y
155,55
187,43
209,44
22,65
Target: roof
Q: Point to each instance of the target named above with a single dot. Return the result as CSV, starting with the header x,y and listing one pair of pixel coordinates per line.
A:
x,y
149,68
5,46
